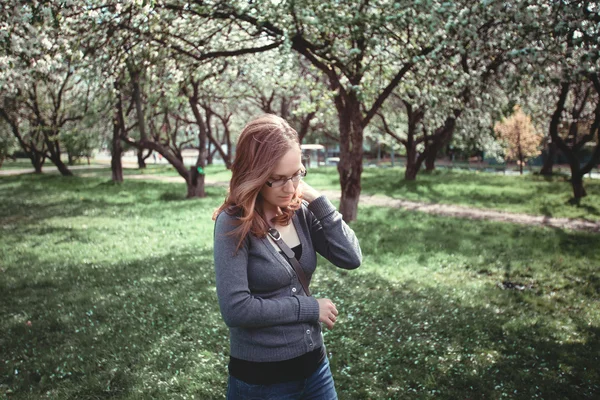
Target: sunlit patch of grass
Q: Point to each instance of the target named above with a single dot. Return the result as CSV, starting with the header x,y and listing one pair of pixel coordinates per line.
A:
x,y
441,325
16,164
530,194
108,291
213,173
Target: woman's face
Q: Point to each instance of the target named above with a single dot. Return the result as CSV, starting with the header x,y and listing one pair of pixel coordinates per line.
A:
x,y
289,165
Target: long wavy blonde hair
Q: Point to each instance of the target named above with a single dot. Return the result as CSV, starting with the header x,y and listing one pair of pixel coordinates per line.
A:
x,y
262,143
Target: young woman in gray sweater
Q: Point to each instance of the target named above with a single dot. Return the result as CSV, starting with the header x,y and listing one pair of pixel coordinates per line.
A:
x,y
276,344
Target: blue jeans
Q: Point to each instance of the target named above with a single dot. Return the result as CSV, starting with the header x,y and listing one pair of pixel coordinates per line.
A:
x,y
319,386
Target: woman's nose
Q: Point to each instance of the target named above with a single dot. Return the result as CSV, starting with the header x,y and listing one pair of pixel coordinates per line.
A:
x,y
289,186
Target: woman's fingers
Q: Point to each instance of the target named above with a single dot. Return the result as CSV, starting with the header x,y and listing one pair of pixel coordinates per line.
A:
x,y
327,312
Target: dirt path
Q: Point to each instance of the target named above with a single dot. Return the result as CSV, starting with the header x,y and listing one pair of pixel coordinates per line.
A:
x,y
438,209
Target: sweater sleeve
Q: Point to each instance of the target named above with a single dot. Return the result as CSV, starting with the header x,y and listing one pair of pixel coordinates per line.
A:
x,y
332,237
239,307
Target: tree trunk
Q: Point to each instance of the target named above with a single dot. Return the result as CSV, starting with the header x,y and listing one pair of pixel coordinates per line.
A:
x,y
576,177
117,166
305,126
53,147
414,116
410,174
351,155
62,168
350,185
578,189
576,172
521,167
441,137
209,154
284,110
116,163
195,184
549,161
431,154
70,158
140,158
349,203
37,161
139,111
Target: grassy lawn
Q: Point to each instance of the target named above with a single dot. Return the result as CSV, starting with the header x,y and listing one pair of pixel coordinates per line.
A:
x,y
214,173
16,164
528,194
23,163
108,291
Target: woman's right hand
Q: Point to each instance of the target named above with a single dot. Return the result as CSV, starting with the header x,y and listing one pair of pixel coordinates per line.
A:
x,y
327,312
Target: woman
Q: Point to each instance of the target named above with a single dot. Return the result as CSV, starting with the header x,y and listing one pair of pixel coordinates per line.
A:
x,y
276,344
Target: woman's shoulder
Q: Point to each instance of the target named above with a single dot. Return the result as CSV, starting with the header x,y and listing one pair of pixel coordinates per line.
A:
x,y
232,212
227,219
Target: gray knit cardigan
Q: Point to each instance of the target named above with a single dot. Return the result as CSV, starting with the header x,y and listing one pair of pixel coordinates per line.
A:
x,y
269,316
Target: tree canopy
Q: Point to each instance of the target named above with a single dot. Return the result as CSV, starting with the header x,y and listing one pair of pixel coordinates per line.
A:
x,y
164,76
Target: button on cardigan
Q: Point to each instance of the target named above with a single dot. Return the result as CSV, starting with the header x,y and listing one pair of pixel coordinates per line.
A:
x,y
267,319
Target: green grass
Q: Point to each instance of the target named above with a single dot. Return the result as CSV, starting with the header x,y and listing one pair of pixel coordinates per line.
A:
x,y
16,164
530,194
214,173
108,291
23,163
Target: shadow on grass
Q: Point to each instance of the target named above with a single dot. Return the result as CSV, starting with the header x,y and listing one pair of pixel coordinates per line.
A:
x,y
94,331
531,194
151,328
589,209
408,340
45,197
553,258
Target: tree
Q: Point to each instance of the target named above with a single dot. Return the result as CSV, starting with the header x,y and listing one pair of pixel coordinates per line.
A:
x,y
455,87
346,42
584,116
569,67
282,83
158,61
7,142
42,92
30,141
521,139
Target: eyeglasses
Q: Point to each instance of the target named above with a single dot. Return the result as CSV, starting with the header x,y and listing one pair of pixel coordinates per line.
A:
x,y
277,183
